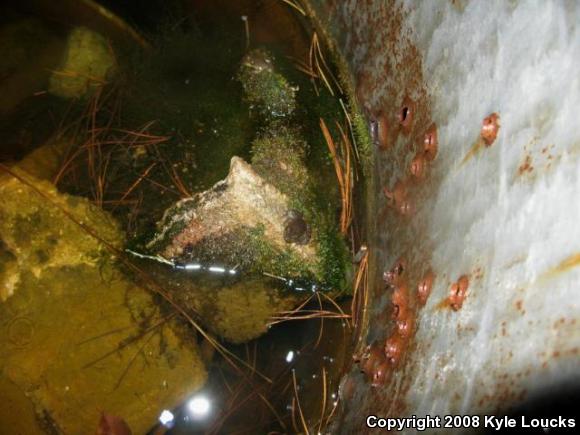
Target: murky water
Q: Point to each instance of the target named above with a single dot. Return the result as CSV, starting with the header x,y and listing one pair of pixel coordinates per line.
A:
x,y
98,144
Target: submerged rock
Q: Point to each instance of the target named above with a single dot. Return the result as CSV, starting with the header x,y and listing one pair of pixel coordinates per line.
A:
x,y
78,337
88,62
266,90
264,224
236,309
42,236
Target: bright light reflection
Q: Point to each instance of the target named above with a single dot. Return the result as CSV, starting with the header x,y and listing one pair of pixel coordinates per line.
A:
x,y
166,417
290,356
199,406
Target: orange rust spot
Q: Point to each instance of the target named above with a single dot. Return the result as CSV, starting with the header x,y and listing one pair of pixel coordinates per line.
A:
x,y
443,304
458,293
490,129
424,287
519,304
430,143
398,194
526,166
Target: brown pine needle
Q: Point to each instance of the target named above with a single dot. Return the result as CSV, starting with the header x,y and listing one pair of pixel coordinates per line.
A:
x,y
296,5
361,277
137,182
321,57
340,310
294,422
343,170
324,392
321,331
302,419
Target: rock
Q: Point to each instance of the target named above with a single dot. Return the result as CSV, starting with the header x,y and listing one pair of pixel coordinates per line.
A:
x,y
267,91
88,63
41,236
239,221
78,337
237,311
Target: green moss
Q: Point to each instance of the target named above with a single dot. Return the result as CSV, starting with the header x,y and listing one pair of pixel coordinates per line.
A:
x,y
278,156
267,91
276,261
363,140
333,260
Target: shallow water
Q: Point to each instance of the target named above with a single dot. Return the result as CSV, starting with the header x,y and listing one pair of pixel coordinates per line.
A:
x,y
167,126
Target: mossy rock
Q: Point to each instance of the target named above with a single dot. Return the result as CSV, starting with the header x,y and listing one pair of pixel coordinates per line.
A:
x,y
89,62
267,91
278,155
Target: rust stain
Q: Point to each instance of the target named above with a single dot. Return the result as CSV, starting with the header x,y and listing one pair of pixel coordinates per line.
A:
x,y
526,166
443,304
475,148
569,263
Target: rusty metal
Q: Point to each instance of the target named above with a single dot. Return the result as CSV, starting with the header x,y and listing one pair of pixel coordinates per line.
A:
x,y
491,208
